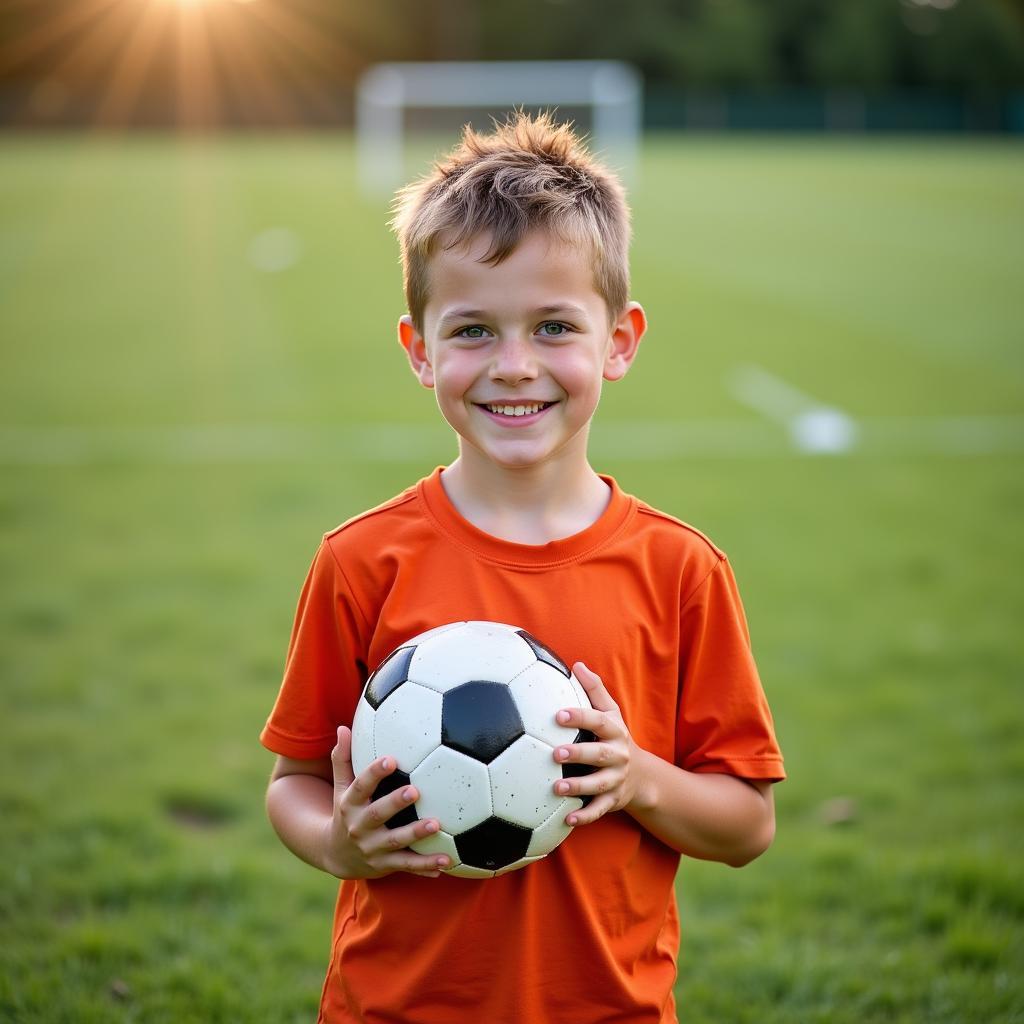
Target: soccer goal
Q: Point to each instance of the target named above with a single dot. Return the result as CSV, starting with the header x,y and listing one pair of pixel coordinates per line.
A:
x,y
610,91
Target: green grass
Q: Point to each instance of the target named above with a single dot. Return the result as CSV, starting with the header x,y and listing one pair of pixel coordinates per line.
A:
x,y
148,593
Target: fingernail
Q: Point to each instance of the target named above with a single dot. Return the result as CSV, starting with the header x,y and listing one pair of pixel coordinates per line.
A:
x,y
572,819
442,862
431,826
386,764
563,717
563,754
563,788
407,793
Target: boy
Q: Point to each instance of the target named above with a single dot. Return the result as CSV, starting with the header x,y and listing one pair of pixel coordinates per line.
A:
x,y
516,274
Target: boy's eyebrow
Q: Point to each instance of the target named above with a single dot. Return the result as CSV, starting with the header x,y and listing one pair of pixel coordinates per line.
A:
x,y
565,308
462,314
561,308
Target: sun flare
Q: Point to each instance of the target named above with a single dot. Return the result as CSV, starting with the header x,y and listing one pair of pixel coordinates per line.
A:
x,y
209,62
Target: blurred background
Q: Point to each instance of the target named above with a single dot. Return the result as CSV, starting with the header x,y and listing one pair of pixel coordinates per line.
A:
x,y
903,65
200,376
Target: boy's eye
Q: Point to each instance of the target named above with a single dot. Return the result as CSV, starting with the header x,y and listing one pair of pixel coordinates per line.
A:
x,y
553,329
476,331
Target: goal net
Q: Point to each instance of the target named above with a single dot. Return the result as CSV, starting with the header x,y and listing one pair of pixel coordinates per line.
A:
x,y
394,101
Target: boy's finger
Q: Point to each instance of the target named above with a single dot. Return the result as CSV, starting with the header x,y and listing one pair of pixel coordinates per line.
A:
x,y
599,696
394,839
364,785
341,759
389,849
598,754
597,808
599,722
417,864
588,784
382,809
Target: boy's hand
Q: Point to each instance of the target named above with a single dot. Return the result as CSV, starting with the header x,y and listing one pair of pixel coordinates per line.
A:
x,y
359,843
615,784
713,816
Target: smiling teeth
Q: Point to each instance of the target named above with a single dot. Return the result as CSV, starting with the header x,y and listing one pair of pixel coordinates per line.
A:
x,y
517,410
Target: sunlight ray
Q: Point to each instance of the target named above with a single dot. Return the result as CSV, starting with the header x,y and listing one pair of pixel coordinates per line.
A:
x,y
284,64
121,94
93,49
17,52
298,50
312,45
195,74
247,78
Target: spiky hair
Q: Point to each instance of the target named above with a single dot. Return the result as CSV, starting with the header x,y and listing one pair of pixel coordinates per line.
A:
x,y
531,172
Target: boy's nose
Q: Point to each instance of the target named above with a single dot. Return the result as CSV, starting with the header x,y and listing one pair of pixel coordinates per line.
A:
x,y
513,361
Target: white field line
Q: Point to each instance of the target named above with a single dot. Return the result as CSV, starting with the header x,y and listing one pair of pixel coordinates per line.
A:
x,y
876,436
813,426
389,442
630,441
768,394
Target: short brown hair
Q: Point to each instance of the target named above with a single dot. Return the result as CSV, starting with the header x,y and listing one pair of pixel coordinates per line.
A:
x,y
530,172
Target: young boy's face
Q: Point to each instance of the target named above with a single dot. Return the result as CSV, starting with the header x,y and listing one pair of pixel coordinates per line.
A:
x,y
517,352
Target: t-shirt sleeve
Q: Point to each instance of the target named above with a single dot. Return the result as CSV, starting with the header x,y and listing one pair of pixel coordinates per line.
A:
x,y
325,668
724,723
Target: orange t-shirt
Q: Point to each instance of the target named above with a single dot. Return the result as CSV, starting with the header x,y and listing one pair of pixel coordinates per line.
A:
x,y
590,933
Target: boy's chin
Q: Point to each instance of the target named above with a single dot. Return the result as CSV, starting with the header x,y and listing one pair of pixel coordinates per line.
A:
x,y
508,457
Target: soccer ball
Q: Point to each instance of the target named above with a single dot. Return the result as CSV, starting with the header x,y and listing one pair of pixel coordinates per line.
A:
x,y
468,712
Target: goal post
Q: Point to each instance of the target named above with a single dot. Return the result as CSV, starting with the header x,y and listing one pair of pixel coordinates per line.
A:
x,y
612,90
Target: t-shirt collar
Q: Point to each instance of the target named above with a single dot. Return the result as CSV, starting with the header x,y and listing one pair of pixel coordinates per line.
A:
x,y
450,522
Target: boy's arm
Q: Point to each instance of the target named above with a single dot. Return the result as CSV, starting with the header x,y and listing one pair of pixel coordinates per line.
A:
x,y
708,816
324,815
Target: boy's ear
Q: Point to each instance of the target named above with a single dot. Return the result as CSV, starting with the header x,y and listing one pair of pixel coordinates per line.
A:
x,y
627,333
416,349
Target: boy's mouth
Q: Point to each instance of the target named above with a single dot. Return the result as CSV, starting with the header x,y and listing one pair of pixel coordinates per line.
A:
x,y
514,410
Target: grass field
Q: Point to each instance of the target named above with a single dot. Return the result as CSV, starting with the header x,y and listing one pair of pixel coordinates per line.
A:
x,y
178,428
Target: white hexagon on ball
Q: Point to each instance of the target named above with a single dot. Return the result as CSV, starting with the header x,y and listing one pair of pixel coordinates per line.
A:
x,y
488,651
362,736
539,693
407,726
554,830
523,782
454,789
439,842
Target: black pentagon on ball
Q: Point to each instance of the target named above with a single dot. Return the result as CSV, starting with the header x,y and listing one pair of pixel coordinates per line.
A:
x,y
574,771
390,674
493,844
480,719
545,654
396,780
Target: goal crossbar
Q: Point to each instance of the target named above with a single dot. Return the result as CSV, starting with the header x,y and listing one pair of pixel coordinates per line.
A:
x,y
612,89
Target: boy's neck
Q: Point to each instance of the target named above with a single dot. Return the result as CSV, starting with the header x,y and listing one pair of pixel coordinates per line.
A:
x,y
535,505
